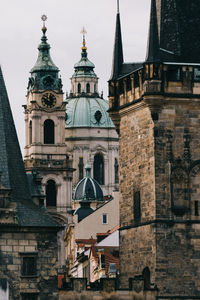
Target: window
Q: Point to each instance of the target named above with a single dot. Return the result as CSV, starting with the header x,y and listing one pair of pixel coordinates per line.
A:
x,y
174,73
116,171
147,278
28,265
99,168
48,132
79,88
196,74
51,193
88,88
137,208
104,219
80,166
30,132
196,208
29,296
102,261
95,88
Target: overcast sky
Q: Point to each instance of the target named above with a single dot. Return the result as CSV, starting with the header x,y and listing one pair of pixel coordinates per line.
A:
x,y
20,33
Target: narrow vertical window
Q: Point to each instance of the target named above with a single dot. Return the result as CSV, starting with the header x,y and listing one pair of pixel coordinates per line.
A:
x,y
99,168
48,132
51,193
137,207
30,132
79,88
80,167
104,219
88,88
147,278
95,88
116,171
196,208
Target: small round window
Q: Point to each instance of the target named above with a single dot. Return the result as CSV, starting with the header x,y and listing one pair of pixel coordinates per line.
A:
x,y
98,115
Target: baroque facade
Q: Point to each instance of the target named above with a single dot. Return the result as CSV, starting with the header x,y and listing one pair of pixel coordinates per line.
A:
x,y
156,106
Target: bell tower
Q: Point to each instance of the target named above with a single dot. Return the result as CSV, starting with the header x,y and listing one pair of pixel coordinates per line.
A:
x,y
45,149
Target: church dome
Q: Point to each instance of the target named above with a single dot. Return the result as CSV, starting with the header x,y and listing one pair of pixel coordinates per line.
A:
x,y
88,112
85,108
88,189
83,211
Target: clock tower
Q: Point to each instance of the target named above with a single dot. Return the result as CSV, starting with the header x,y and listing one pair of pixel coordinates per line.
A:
x,y
45,149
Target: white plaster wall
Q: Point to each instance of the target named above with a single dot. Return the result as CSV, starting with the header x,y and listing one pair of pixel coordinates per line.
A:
x,y
84,230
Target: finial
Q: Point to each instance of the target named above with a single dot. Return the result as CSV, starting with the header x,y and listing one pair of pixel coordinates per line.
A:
x,y
83,31
44,18
118,6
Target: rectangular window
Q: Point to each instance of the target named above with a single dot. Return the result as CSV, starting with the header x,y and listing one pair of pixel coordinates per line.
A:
x,y
196,208
29,296
137,207
28,265
102,261
104,219
196,74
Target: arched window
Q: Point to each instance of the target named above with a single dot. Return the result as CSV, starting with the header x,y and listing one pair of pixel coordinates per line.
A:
x,y
79,88
51,193
80,166
48,132
30,132
116,171
88,88
99,168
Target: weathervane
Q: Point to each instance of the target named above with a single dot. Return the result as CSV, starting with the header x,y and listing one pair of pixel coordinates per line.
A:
x,y
44,18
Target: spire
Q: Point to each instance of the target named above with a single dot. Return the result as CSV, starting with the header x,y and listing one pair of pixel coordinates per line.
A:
x,y
118,49
84,48
44,61
153,49
11,163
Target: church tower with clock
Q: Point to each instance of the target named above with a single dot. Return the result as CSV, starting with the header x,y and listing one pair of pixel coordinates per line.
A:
x,y
45,150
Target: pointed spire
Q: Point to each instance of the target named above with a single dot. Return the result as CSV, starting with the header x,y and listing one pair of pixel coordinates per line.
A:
x,y
84,48
118,58
11,162
44,61
153,49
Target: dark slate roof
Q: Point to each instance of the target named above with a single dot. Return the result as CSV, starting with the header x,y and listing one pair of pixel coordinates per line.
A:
x,y
12,168
118,58
179,30
83,211
153,52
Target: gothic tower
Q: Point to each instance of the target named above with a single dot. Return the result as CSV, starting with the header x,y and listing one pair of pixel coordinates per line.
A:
x,y
156,107
45,149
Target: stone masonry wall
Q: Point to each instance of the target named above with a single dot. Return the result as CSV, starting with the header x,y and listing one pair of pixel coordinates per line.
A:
x,y
137,173
12,247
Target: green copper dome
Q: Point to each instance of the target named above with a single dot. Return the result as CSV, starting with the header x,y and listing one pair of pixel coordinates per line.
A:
x,y
87,112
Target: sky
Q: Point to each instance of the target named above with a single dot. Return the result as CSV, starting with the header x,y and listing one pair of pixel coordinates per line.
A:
x,y
20,34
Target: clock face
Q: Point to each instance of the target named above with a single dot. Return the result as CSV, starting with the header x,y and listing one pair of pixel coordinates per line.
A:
x,y
48,100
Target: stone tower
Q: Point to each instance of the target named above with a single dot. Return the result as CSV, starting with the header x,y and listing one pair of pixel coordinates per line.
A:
x,y
90,133
156,107
45,150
